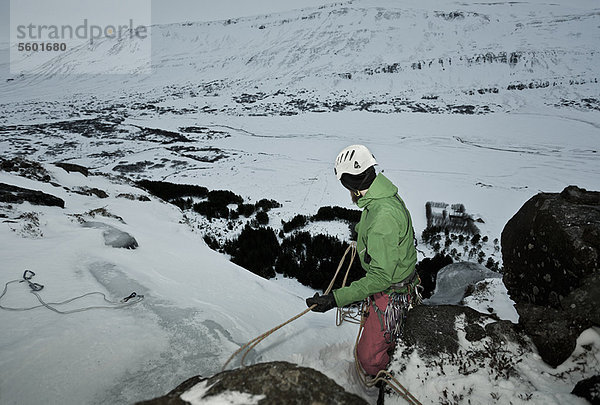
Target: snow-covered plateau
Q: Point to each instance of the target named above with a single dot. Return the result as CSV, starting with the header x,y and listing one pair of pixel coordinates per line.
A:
x,y
479,103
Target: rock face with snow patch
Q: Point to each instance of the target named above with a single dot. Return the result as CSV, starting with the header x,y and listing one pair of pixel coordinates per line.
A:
x,y
456,355
551,251
272,383
444,345
113,236
71,167
432,330
453,280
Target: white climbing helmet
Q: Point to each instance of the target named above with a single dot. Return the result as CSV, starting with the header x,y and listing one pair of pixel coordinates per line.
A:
x,y
354,160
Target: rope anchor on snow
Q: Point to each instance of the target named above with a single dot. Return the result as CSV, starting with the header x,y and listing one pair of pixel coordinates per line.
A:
x,y
27,275
133,298
132,295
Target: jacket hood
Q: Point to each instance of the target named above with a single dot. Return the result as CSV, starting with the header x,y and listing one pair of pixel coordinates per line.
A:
x,y
380,188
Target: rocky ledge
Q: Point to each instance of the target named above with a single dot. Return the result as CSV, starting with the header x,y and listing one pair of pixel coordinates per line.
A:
x,y
271,383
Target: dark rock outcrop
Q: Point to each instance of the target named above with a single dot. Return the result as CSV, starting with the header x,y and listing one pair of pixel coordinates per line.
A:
x,y
551,251
25,168
550,245
432,329
17,195
91,191
279,383
71,167
589,389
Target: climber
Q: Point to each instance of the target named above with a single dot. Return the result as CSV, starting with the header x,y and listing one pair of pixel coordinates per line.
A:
x,y
387,253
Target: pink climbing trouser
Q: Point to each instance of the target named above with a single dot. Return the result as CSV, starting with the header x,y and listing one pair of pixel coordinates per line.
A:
x,y
372,348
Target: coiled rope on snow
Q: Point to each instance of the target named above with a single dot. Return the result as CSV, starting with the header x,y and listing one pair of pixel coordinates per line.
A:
x,y
133,298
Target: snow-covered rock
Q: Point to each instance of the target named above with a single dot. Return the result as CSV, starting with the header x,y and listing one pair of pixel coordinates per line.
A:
x,y
589,389
452,354
271,383
475,286
113,236
454,279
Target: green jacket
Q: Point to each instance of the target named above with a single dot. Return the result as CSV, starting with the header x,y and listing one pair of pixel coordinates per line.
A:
x,y
385,243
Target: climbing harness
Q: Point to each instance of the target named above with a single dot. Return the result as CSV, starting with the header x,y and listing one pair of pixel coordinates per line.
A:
x,y
133,298
392,318
382,376
395,315
399,304
353,314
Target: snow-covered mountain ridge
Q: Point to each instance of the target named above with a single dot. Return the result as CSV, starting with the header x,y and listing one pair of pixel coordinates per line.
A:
x,y
379,56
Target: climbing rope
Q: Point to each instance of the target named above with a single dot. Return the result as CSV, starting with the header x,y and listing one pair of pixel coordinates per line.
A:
x,y
133,298
350,313
254,342
353,314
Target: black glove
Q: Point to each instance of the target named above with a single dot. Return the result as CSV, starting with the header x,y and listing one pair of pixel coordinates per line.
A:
x,y
324,302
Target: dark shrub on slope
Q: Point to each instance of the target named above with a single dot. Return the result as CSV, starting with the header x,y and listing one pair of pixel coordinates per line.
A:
x,y
182,203
168,191
333,213
267,205
211,210
216,205
313,260
224,197
255,250
246,209
323,214
262,218
297,222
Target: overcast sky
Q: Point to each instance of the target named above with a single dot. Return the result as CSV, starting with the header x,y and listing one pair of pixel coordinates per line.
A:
x,y
169,11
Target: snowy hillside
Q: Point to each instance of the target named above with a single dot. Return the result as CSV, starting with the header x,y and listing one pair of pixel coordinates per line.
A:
x,y
198,307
